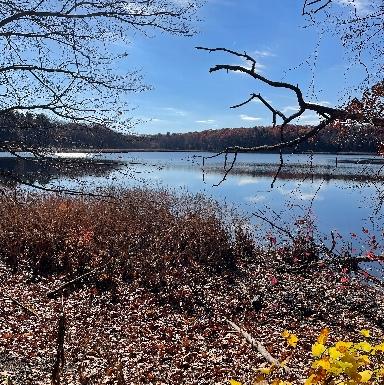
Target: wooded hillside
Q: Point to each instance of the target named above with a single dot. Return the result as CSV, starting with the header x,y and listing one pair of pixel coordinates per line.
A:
x,y
26,131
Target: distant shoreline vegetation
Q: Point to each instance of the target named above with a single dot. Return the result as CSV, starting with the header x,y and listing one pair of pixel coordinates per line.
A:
x,y
27,131
128,150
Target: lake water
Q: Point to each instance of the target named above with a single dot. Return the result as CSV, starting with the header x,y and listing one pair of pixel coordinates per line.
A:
x,y
343,196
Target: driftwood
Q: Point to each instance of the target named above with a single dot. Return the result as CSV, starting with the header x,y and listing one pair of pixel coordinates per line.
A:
x,y
54,292
260,347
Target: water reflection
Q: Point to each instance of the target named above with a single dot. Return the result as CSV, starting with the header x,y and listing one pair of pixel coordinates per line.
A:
x,y
343,199
31,170
293,171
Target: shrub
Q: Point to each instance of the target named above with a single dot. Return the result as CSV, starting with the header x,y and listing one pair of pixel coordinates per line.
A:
x,y
341,363
151,237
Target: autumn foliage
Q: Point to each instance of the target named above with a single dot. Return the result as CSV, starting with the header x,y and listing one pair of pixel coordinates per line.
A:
x,y
340,363
139,235
168,271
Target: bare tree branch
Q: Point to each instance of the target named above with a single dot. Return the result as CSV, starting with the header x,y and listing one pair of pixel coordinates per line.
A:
x,y
327,115
56,56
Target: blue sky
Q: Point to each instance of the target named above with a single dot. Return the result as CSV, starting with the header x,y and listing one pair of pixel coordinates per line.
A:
x,y
185,97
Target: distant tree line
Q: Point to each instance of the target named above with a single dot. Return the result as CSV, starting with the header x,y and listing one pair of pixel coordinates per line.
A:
x,y
26,131
360,138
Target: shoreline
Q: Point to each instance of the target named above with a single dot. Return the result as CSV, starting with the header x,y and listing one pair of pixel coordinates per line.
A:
x,y
124,150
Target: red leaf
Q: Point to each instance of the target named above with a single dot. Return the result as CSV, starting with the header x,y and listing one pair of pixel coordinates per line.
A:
x,y
274,281
371,255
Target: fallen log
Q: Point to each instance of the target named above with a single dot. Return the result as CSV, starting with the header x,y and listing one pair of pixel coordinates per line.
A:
x,y
260,347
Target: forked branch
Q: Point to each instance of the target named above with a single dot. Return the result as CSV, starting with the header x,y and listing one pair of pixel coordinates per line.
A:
x,y
327,115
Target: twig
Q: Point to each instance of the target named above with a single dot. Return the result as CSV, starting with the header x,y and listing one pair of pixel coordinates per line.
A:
x,y
333,242
281,164
54,292
259,346
316,9
24,307
227,170
328,114
281,229
371,278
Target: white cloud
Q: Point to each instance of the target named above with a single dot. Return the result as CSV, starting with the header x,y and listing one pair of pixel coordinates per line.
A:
x,y
290,109
207,121
361,6
248,65
249,118
310,118
264,53
324,103
174,111
247,180
256,198
306,118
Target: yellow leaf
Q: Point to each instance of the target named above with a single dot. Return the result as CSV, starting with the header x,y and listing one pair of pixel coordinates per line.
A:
x,y
380,371
334,353
318,349
323,363
365,375
264,370
285,333
364,360
233,382
380,347
290,337
311,380
345,365
364,346
342,346
365,332
335,370
292,340
323,337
